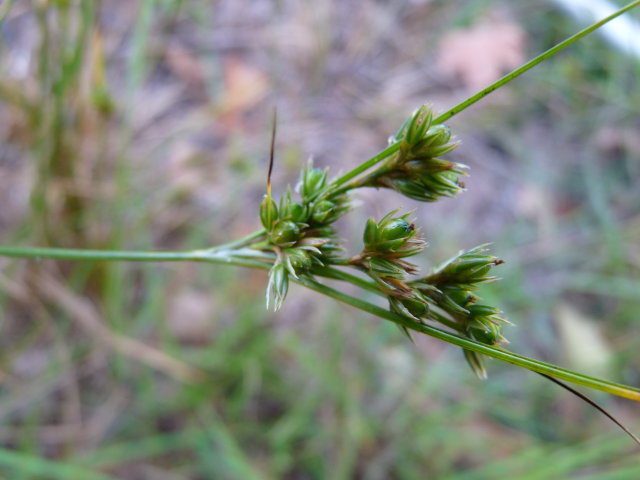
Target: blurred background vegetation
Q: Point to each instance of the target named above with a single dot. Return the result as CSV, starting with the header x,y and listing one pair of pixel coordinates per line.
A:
x,y
145,125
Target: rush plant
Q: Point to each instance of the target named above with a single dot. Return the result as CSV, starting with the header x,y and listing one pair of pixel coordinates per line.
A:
x,y
298,242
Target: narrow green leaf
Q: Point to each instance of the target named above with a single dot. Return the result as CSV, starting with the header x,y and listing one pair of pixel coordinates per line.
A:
x,y
555,371
37,467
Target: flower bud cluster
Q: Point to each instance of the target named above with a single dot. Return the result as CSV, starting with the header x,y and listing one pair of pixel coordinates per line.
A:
x,y
451,287
386,244
301,232
416,170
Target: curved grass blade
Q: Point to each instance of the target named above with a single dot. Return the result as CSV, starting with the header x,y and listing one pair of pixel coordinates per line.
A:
x,y
551,370
593,404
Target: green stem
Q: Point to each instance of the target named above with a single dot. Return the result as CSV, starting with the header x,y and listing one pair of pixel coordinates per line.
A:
x,y
335,274
239,257
387,152
530,64
366,181
261,245
263,260
241,242
498,353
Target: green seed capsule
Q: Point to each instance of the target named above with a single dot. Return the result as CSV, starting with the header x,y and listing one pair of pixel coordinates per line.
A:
x,y
412,308
440,133
370,236
471,272
486,311
460,296
451,306
413,189
396,228
417,307
428,165
285,232
300,260
434,143
420,122
296,212
323,212
394,233
386,268
443,149
268,212
313,180
277,287
490,335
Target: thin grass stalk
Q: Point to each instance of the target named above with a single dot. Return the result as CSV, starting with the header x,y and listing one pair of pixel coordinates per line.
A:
x,y
612,388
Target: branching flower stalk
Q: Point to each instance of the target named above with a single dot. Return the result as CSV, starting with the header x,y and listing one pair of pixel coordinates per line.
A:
x,y
298,242
301,235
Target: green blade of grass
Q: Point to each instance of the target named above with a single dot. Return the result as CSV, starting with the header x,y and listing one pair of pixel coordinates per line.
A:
x,y
542,462
37,467
231,457
612,388
114,455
